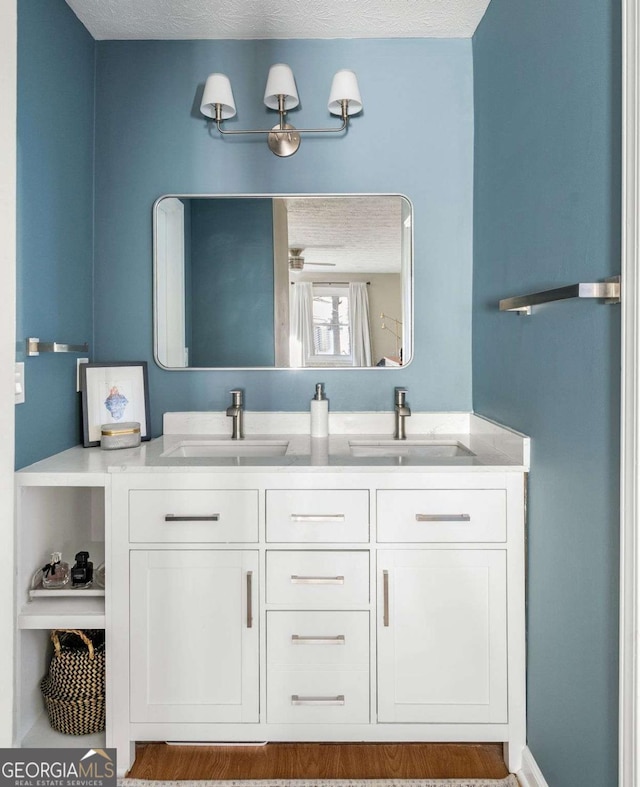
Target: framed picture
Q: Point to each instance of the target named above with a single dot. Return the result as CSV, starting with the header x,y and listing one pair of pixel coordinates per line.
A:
x,y
113,393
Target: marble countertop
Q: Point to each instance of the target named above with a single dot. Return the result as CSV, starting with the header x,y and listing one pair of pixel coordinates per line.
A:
x,y
491,447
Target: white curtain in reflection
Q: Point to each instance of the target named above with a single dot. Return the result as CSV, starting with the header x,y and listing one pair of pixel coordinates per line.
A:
x,y
359,319
301,323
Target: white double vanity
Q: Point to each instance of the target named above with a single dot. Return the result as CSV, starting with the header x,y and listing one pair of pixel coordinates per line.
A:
x,y
279,588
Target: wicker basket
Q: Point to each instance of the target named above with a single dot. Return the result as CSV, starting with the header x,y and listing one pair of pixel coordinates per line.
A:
x,y
73,690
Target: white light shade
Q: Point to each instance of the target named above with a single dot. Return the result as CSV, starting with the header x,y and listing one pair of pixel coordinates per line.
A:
x,y
280,82
345,87
217,90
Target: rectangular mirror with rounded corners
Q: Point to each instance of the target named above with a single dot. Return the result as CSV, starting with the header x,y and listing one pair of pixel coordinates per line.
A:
x,y
282,281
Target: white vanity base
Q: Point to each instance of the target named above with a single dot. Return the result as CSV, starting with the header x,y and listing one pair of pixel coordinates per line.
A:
x,y
418,640
346,600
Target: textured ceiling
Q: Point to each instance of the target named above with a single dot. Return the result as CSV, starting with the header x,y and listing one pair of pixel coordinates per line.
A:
x,y
184,19
354,234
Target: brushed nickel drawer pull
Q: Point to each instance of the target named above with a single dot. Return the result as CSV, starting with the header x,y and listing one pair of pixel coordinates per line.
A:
x,y
297,640
296,580
249,599
174,518
443,518
317,517
385,598
297,700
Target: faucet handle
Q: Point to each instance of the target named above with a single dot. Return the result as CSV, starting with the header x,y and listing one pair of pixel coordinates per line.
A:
x,y
400,396
237,395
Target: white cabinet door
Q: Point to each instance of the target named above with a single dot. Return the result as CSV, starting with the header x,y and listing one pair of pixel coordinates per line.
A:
x,y
442,636
194,636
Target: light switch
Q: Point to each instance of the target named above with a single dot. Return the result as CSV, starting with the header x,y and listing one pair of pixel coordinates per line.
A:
x,y
20,382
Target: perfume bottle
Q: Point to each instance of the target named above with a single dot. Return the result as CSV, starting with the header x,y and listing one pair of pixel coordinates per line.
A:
x,y
56,573
82,572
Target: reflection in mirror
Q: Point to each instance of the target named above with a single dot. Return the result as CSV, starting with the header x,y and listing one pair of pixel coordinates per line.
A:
x,y
282,281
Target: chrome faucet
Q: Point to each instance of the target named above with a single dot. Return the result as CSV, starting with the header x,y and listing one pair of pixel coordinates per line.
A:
x,y
236,411
402,412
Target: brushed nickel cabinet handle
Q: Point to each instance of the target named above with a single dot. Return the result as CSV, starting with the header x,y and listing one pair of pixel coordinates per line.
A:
x,y
249,599
296,640
385,598
296,580
297,700
174,518
443,518
317,517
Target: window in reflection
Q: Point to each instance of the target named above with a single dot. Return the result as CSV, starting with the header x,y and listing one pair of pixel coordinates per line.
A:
x,y
331,333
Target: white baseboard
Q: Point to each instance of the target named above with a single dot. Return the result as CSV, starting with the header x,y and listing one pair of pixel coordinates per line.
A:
x,y
530,775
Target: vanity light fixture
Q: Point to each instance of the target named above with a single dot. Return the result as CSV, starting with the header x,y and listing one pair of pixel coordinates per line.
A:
x,y
281,95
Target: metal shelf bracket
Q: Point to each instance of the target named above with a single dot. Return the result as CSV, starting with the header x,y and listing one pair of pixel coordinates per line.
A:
x,y
35,347
607,290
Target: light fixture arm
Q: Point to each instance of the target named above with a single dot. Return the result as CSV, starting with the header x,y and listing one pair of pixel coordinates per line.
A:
x,y
283,128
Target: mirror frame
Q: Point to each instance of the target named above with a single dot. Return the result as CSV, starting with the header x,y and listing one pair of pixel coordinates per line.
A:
x,y
407,297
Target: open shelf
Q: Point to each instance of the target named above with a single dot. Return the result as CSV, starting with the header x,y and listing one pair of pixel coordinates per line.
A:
x,y
43,735
66,593
53,514
83,612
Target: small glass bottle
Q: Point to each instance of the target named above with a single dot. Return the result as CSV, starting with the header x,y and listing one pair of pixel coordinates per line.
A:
x,y
56,573
82,572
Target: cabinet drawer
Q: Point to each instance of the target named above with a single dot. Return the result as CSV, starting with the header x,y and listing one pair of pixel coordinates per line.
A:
x,y
318,580
318,515
326,640
309,697
190,516
445,515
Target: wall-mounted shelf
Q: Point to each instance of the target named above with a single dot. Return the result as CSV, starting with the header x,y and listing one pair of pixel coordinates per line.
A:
x,y
608,291
35,347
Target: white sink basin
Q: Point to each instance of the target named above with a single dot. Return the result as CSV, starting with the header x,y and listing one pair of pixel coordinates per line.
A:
x,y
215,448
429,449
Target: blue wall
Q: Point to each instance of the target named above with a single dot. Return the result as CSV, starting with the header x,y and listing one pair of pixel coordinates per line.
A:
x,y
547,213
415,136
55,218
232,283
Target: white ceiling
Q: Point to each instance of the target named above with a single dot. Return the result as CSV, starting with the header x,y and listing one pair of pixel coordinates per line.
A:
x,y
354,234
210,19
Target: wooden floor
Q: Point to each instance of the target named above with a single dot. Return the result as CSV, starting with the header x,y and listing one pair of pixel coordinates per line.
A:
x,y
320,761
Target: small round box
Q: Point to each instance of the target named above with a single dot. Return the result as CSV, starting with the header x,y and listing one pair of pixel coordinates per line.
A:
x,y
124,435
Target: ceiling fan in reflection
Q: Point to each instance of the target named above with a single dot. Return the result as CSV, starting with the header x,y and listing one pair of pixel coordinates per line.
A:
x,y
297,261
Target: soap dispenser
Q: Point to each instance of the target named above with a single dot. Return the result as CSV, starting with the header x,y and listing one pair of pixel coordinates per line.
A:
x,y
319,413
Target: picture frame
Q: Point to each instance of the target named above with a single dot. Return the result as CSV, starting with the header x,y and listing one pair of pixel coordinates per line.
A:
x,y
113,393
